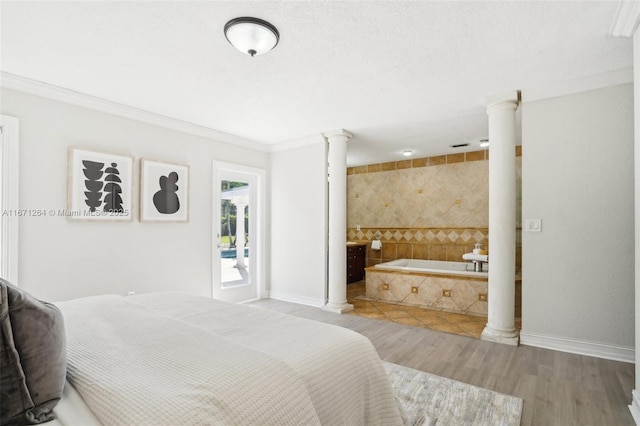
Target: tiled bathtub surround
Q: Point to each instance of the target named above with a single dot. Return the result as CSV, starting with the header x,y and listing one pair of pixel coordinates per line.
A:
x,y
457,294
433,208
463,291
419,243
422,197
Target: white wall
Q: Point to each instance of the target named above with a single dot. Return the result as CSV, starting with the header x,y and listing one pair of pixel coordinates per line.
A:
x,y
60,259
298,224
578,273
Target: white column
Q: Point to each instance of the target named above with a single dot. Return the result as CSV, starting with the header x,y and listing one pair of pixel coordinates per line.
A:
x,y
337,276
502,220
240,235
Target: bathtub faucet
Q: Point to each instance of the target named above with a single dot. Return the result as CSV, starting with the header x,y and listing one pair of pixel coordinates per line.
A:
x,y
477,259
477,265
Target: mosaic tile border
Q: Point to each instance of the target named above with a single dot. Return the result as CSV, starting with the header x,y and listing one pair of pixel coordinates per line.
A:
x,y
421,235
425,162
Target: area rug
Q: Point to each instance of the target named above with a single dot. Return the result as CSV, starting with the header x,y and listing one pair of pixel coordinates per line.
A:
x,y
428,399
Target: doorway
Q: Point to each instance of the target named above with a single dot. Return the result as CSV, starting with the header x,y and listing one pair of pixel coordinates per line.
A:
x,y
238,232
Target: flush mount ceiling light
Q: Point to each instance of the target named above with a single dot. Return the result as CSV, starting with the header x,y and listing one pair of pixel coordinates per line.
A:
x,y
484,143
252,36
407,153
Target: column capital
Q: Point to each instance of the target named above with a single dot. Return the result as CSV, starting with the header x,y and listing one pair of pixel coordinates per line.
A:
x,y
514,97
337,133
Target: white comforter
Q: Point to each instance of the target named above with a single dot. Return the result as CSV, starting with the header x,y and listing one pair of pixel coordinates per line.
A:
x,y
173,358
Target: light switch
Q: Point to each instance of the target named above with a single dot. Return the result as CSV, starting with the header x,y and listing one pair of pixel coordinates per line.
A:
x,y
533,225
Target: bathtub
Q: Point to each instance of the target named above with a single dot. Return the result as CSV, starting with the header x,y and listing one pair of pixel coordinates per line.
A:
x,y
434,267
433,284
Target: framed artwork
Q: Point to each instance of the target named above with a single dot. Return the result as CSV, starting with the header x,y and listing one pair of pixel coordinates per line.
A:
x,y
99,187
164,191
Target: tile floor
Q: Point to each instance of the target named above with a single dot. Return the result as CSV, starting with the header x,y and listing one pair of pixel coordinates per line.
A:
x,y
465,325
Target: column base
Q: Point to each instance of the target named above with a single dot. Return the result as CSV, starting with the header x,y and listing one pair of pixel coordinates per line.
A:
x,y
511,338
635,406
337,308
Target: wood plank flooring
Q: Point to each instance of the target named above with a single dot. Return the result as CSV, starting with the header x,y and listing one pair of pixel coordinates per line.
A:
x,y
558,388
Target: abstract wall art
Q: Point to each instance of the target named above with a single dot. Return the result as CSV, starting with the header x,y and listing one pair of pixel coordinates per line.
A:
x,y
164,191
99,186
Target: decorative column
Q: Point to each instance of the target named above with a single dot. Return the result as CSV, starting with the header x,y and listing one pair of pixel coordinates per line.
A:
x,y
337,276
240,235
502,220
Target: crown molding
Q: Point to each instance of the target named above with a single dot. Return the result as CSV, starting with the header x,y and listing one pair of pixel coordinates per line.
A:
x,y
626,19
297,143
611,78
49,91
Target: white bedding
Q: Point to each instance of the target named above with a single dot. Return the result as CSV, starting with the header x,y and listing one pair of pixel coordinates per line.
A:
x,y
173,358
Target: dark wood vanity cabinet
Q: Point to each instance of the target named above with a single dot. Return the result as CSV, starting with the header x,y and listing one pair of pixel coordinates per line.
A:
x,y
355,262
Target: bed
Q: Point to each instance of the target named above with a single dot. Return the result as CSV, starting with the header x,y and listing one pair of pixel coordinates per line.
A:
x,y
175,358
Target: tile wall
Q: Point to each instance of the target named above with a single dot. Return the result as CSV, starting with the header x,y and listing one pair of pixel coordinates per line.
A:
x,y
427,208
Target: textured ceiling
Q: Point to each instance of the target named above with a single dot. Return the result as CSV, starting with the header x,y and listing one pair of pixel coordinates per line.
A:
x,y
398,75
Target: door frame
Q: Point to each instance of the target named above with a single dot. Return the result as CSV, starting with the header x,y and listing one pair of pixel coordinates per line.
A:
x,y
9,186
256,228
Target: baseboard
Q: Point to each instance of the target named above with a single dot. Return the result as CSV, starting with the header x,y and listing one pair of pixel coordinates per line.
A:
x,y
293,298
598,350
635,406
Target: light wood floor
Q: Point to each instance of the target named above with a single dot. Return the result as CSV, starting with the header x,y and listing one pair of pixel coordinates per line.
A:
x,y
558,388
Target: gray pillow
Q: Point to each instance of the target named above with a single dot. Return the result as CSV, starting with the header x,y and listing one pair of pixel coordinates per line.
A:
x,y
33,357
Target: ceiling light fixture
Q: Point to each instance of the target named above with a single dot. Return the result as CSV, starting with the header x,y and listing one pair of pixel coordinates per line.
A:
x,y
252,36
407,153
484,143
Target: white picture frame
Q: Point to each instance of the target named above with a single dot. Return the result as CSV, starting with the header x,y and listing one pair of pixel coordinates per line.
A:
x,y
164,191
99,186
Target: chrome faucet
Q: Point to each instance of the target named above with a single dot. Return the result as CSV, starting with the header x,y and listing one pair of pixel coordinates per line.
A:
x,y
477,265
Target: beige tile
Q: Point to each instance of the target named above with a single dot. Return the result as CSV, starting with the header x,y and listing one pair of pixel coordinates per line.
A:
x,y
362,304
455,252
398,313
404,251
474,156
455,318
466,325
372,168
475,328
404,164
448,328
427,314
437,252
367,310
388,166
374,316
436,161
455,158
420,162
389,251
420,251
